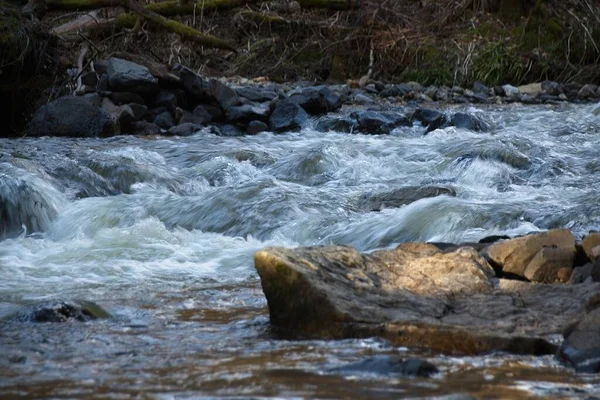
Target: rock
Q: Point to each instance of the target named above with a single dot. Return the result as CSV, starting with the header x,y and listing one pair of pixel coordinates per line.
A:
x,y
499,91
164,120
166,99
153,113
256,94
124,75
423,98
396,91
184,129
528,99
378,123
360,98
552,88
581,347
100,66
544,266
255,127
186,117
511,91
203,114
414,86
103,83
63,311
588,91
138,110
493,238
402,196
93,98
431,92
572,88
145,128
123,114
532,89
223,94
414,295
442,94
287,116
229,130
513,256
480,88
467,121
246,113
431,119
563,275
193,84
343,124
72,116
591,245
596,111
457,90
120,98
389,365
316,100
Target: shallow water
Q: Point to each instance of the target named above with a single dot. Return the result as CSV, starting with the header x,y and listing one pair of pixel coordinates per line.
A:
x,y
161,233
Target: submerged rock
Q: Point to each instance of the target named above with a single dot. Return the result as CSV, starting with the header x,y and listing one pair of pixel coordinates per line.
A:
x,y
62,311
431,119
414,295
72,116
402,196
390,365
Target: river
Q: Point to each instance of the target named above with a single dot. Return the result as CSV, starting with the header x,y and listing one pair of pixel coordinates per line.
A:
x,y
160,232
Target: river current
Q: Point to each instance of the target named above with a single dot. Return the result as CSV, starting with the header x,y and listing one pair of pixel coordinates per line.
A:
x,y
161,232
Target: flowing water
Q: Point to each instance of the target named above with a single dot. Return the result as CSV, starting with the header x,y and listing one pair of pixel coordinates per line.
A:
x,y
160,232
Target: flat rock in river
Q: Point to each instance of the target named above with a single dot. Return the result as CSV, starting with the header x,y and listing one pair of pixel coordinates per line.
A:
x,y
414,295
402,196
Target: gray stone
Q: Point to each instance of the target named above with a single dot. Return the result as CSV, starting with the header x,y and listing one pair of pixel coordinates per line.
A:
x,y
167,99
468,121
139,110
257,94
223,94
316,100
389,365
552,88
120,98
193,84
287,116
479,87
72,117
255,127
186,117
100,66
184,129
123,114
360,98
246,113
587,91
145,128
164,120
431,119
202,113
335,124
124,75
378,123
511,91
581,347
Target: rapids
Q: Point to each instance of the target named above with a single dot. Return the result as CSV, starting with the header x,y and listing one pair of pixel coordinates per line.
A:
x,y
160,232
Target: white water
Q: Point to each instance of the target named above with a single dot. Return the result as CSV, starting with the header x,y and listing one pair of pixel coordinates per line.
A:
x,y
128,221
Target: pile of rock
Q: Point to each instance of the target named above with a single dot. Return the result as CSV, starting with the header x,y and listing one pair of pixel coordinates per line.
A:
x,y
513,295
120,96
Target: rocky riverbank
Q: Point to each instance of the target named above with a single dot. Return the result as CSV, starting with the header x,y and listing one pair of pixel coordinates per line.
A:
x,y
120,96
514,295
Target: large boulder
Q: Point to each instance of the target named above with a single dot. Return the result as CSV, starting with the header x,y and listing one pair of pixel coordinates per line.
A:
x,y
316,100
513,256
431,119
377,123
591,245
246,113
223,94
258,94
72,116
401,196
287,116
125,75
581,347
414,295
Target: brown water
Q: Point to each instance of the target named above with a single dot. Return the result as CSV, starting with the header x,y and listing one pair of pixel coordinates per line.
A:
x,y
161,234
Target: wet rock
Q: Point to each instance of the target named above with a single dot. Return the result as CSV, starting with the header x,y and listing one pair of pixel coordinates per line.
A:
x,y
186,117
63,311
138,110
513,256
203,114
93,98
255,127
145,128
126,76
246,113
544,266
120,98
596,111
588,91
151,114
511,91
360,98
581,347
442,94
528,99
378,123
287,116
590,272
493,238
123,114
402,196
72,116
457,90
316,100
468,121
223,94
184,129
431,119
335,124
193,84
414,295
430,92
499,91
572,88
390,365
414,86
166,99
256,94
395,91
165,120
422,97
552,88
591,245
